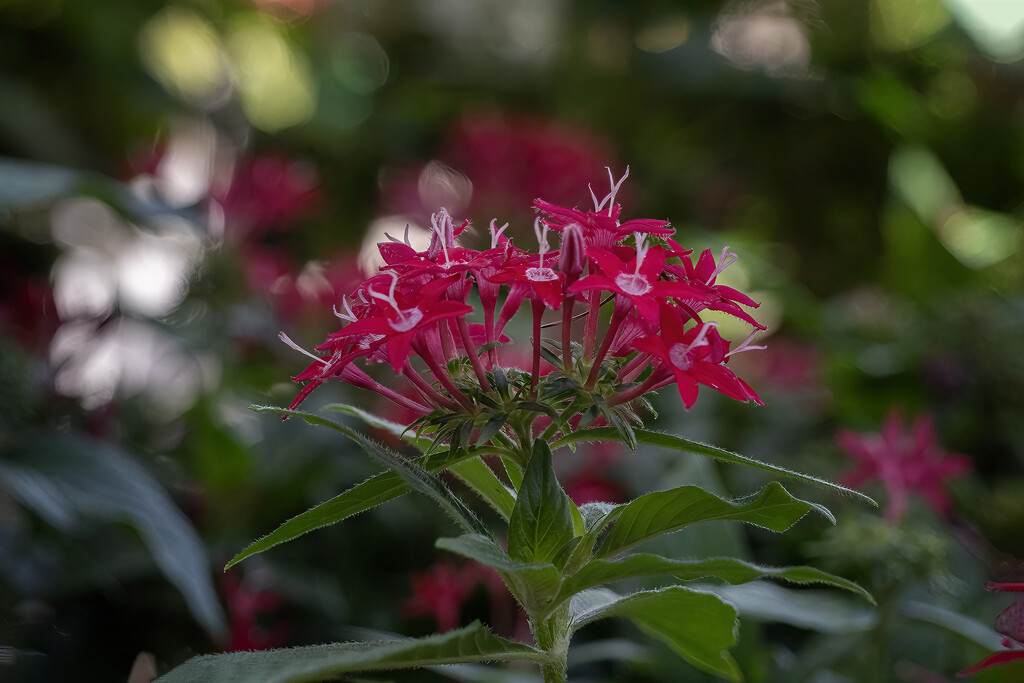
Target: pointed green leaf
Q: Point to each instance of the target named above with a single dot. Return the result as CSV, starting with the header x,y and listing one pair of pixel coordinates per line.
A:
x,y
478,476
379,423
474,643
699,627
678,443
500,380
418,478
772,508
734,571
541,521
378,489
534,585
491,428
622,428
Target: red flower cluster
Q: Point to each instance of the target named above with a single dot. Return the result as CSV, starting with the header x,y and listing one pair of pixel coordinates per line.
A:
x,y
420,304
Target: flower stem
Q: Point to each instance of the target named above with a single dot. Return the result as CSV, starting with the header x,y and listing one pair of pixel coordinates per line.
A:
x,y
551,637
538,312
443,377
618,315
471,353
590,332
567,333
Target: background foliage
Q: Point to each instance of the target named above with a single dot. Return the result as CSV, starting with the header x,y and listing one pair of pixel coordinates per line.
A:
x,y
181,180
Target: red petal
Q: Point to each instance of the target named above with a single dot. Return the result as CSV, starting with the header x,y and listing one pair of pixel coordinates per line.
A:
x,y
1004,657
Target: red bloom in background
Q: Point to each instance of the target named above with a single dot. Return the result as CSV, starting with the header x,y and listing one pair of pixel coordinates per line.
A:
x,y
511,160
904,462
248,609
441,591
267,193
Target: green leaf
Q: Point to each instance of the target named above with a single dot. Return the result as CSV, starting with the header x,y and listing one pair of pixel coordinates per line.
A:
x,y
650,515
474,643
500,380
491,428
699,627
481,478
376,490
550,357
541,522
417,478
534,585
817,610
70,480
678,443
964,626
624,430
734,571
379,423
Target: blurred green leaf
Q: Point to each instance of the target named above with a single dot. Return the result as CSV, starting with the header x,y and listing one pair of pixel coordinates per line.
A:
x,y
68,480
810,609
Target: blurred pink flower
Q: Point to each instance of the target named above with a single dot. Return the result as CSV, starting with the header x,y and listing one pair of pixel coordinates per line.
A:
x,y
441,591
266,193
27,310
514,159
904,462
248,610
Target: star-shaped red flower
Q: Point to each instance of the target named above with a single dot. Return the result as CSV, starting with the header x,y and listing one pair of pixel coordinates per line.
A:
x,y
904,462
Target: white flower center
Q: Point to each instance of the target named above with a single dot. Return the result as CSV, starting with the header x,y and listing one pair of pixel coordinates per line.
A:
x,y
632,284
406,320
680,356
541,274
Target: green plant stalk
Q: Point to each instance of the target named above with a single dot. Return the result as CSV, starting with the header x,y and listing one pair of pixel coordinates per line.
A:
x,y
552,636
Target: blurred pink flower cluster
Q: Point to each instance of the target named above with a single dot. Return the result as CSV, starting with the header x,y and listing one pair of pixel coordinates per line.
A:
x,y
905,462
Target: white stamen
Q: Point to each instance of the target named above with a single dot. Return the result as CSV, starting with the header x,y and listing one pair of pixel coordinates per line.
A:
x,y
390,296
679,353
439,230
496,232
641,250
746,345
597,205
611,195
287,340
724,261
540,229
404,240
348,315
